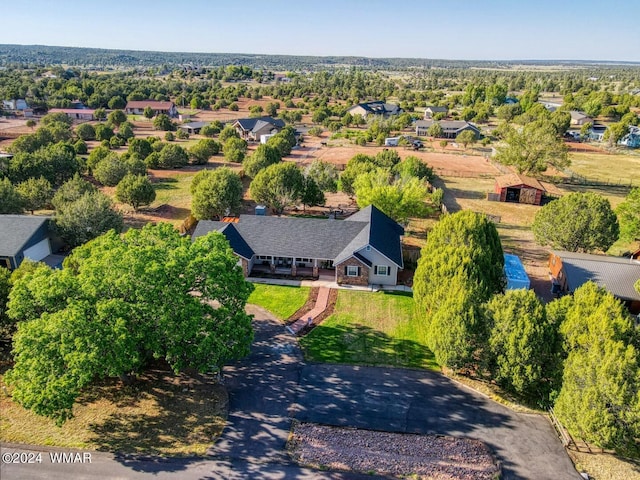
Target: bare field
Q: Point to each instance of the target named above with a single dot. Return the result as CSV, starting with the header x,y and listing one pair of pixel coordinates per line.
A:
x,y
615,168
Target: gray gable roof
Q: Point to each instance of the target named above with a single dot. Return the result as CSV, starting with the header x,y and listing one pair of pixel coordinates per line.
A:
x,y
449,126
16,230
249,124
616,274
310,237
379,108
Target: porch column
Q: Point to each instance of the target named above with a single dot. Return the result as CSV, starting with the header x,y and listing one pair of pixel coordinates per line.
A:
x,y
272,265
315,267
294,267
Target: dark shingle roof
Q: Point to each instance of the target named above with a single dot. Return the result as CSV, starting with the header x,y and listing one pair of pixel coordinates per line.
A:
x,y
250,123
380,108
616,274
383,233
237,243
16,230
311,237
449,126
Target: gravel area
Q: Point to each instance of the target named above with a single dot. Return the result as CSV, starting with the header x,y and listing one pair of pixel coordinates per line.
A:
x,y
424,456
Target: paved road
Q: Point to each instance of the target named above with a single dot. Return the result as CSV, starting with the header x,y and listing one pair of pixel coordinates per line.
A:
x,y
272,385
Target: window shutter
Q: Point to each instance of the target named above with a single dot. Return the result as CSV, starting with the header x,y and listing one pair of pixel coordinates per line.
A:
x,y
358,271
375,270
345,270
388,271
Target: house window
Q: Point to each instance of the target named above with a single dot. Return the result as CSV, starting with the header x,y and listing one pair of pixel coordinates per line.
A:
x,y
382,270
353,271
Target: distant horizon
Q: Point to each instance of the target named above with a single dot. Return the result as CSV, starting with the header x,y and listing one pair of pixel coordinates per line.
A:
x,y
494,30
196,52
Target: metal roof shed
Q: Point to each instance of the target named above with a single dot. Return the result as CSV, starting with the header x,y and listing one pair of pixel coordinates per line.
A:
x,y
514,273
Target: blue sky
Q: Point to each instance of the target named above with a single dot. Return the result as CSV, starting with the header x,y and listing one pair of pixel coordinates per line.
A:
x,y
466,29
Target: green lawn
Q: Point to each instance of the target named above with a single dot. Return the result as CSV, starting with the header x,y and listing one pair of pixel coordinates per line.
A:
x,y
371,329
282,301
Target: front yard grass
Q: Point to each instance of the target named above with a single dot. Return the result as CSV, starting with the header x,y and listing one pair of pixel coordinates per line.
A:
x,y
282,301
159,414
371,329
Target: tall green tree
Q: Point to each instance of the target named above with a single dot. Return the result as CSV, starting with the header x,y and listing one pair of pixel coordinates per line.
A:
x,y
466,138
400,199
312,195
86,218
6,324
234,149
629,216
135,190
577,222
172,156
163,122
71,190
125,302
202,151
216,193
10,200
459,269
278,186
324,174
85,131
534,148
261,158
36,193
524,349
414,167
110,170
600,396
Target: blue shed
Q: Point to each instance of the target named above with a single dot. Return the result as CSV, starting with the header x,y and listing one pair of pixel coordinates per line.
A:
x,y
514,273
261,210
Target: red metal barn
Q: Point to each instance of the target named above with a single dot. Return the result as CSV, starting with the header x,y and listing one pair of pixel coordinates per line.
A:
x,y
518,188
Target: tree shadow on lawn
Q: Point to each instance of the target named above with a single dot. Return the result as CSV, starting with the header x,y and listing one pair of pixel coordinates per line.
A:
x,y
165,183
364,345
159,414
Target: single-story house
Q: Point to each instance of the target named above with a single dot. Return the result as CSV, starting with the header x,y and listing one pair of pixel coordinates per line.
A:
x,y
76,113
136,107
254,128
617,275
596,132
518,188
27,236
632,138
375,108
193,127
430,111
550,106
579,118
450,128
364,249
18,104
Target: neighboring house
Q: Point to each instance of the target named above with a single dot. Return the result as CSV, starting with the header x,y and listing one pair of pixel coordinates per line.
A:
x,y
430,111
254,128
551,106
617,275
450,128
19,104
579,118
193,127
76,113
596,132
631,139
136,107
375,108
364,249
518,188
27,236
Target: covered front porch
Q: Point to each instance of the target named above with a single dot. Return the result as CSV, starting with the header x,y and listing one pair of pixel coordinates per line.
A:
x,y
267,265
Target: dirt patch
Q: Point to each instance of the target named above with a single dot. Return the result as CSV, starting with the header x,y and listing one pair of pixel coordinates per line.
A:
x,y
419,456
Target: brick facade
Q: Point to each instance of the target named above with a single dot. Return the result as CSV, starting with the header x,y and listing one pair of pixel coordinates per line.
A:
x,y
343,278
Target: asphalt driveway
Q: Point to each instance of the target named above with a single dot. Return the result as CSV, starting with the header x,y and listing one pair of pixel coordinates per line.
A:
x,y
418,401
